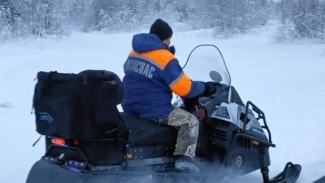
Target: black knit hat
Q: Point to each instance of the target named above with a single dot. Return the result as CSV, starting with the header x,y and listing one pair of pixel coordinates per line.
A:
x,y
161,29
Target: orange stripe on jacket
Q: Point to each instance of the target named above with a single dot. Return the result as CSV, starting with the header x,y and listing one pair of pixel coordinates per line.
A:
x,y
183,86
161,57
133,52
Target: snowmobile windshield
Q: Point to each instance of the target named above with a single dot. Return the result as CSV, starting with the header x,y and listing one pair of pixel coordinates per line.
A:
x,y
202,60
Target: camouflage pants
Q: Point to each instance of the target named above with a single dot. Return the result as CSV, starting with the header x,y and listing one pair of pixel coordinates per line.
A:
x,y
188,131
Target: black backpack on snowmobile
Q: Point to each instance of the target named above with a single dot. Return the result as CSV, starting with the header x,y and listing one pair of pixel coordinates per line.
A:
x,y
81,110
88,140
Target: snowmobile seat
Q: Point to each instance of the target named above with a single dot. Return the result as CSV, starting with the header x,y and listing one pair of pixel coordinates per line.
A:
x,y
144,132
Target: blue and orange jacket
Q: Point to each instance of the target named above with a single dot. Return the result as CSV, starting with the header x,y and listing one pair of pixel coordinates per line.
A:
x,y
152,73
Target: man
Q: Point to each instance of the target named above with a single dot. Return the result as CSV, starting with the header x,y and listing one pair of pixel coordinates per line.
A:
x,y
152,73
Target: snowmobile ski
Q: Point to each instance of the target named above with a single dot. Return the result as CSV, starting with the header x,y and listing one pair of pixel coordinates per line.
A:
x,y
290,174
321,180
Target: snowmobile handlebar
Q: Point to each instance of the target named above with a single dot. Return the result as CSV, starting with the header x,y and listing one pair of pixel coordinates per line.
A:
x,y
260,114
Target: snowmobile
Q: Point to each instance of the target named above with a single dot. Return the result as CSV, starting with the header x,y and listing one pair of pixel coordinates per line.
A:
x,y
89,141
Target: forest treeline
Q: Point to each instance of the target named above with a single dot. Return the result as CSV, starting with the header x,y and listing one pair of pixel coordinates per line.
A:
x,y
300,18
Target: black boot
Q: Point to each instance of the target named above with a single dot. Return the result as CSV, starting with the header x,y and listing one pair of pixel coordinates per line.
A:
x,y
186,164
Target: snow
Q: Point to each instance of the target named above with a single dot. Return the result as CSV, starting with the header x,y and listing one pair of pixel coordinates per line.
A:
x,y
285,80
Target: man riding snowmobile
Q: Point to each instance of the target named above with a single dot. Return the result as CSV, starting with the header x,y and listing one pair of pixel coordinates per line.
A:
x,y
89,141
152,74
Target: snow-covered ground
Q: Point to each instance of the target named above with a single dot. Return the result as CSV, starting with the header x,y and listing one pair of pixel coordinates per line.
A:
x,y
285,80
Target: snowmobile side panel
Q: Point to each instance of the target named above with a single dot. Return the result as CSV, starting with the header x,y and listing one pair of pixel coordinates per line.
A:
x,y
45,171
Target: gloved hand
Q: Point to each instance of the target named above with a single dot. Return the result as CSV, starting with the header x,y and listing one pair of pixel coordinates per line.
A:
x,y
190,102
210,88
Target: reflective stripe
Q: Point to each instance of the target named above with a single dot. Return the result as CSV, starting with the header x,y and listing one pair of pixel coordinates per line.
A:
x,y
176,80
161,57
146,59
181,85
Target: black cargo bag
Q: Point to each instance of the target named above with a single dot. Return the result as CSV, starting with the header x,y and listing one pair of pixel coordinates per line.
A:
x,y
77,106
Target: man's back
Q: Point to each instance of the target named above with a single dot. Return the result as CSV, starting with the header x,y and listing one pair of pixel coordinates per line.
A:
x,y
152,73
146,92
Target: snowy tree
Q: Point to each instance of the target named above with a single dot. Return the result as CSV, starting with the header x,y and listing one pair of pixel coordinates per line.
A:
x,y
230,16
9,20
76,14
306,16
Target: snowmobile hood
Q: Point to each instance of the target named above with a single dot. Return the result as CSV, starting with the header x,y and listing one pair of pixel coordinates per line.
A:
x,y
145,42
